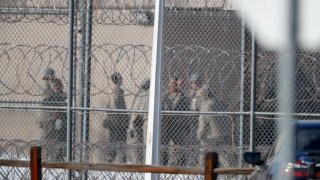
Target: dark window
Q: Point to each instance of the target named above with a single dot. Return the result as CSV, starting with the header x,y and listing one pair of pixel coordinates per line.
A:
x,y
308,139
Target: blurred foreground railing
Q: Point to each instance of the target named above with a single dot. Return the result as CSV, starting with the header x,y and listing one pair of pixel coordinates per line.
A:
x,y
210,171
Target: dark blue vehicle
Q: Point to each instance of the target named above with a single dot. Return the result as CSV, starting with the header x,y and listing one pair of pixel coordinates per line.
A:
x,y
306,163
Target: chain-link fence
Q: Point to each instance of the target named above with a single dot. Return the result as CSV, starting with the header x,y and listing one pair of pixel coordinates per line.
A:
x,y
206,80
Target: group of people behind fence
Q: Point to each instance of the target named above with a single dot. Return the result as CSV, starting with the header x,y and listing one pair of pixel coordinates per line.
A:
x,y
178,130
182,130
127,132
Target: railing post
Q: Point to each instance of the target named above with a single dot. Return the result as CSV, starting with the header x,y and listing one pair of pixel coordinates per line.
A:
x,y
35,163
211,162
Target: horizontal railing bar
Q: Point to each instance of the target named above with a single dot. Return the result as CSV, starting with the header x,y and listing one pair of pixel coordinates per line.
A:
x,y
64,11
126,168
239,171
106,167
123,168
35,11
162,112
15,163
122,110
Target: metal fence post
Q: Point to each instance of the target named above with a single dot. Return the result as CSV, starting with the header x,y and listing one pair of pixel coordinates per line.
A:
x,y
35,163
88,39
211,162
242,86
253,92
70,83
154,115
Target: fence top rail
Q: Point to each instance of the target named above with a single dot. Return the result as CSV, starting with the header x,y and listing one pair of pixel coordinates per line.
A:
x,y
125,167
15,163
243,171
106,167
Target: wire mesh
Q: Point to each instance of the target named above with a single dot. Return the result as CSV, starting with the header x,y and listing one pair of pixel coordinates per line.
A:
x,y
201,84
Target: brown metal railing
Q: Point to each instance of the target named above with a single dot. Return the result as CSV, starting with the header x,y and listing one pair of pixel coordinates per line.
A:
x,y
210,171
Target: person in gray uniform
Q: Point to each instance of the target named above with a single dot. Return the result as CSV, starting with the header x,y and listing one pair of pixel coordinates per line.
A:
x,y
174,127
116,123
54,122
196,81
212,129
49,75
137,131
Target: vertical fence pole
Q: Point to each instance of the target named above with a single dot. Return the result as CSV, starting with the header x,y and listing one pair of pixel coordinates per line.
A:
x,y
211,162
242,79
35,163
70,83
86,103
81,72
154,115
286,72
87,70
253,92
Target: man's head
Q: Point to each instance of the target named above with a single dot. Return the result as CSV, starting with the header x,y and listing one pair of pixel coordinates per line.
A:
x,y
146,85
206,91
49,74
181,84
116,78
56,85
196,80
172,85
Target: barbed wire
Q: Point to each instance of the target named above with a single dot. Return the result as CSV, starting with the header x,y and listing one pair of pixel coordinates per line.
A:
x,y
137,12
22,67
26,64
98,4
